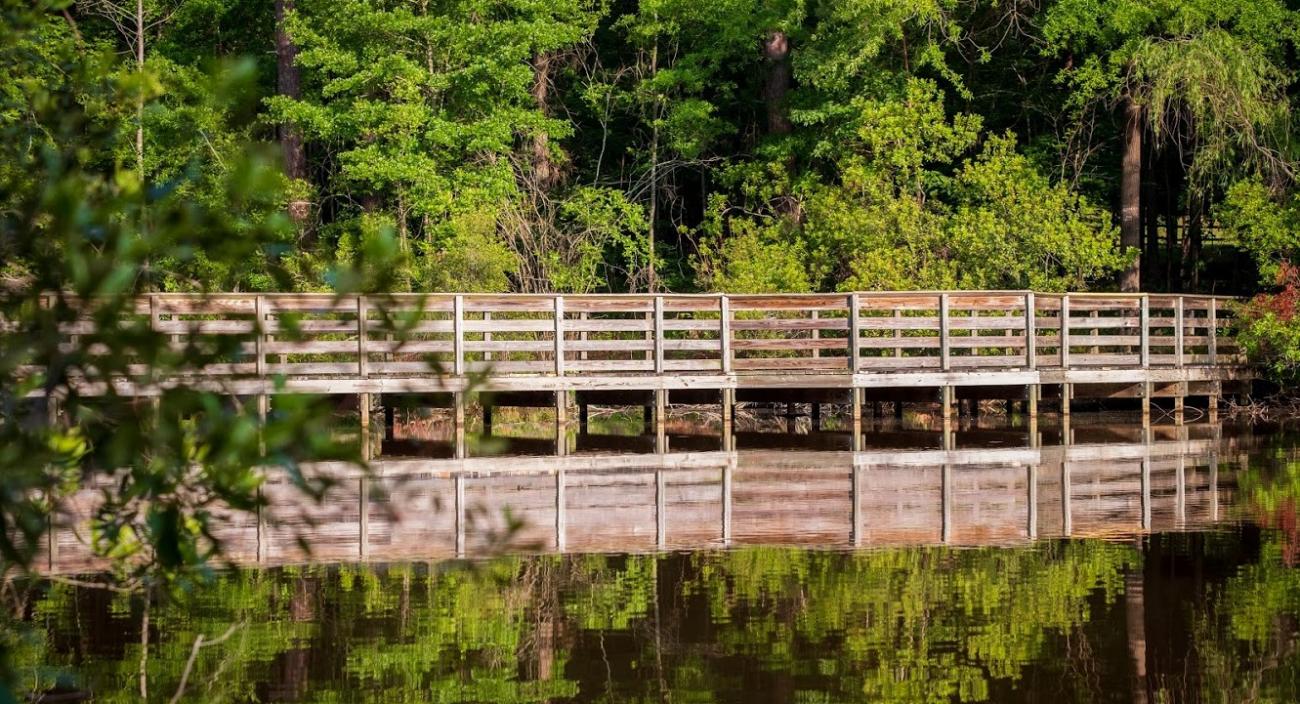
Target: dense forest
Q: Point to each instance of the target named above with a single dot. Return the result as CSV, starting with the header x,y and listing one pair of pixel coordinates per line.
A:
x,y
614,145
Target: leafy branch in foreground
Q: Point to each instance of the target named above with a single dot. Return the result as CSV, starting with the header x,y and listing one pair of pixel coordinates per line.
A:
x,y
91,237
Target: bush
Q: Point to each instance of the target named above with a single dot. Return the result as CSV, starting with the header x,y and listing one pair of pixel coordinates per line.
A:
x,y
1269,330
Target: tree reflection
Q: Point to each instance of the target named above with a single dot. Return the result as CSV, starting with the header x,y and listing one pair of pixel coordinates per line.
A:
x,y
916,624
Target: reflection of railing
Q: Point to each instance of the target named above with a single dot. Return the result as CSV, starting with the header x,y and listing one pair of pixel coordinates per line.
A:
x,y
417,509
358,337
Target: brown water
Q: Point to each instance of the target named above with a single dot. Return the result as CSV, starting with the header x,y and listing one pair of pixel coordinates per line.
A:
x,y
1136,568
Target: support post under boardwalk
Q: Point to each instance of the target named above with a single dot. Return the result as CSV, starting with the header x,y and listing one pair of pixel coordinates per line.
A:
x,y
458,401
561,423
363,412
728,419
1179,402
661,409
855,422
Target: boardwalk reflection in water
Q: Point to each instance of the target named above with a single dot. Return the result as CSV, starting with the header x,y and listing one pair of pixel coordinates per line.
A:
x,y
986,491
1110,569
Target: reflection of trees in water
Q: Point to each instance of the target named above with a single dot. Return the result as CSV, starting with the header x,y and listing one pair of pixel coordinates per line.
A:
x,y
908,624
904,625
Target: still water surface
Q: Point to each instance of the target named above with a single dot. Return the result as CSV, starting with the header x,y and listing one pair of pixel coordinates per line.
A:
x,y
1160,568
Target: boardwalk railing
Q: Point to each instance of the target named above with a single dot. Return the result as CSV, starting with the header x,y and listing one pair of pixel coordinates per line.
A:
x,y
297,335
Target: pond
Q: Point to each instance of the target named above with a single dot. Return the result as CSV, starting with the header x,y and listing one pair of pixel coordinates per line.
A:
x,y
1104,562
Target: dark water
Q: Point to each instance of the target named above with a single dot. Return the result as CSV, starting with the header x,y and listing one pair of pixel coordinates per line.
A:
x,y
1165,573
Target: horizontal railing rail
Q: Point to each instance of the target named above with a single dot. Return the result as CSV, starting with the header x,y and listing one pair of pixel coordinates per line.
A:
x,y
308,335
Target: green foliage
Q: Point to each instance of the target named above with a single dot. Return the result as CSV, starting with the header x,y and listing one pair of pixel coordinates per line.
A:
x,y
916,205
1210,75
423,106
1267,229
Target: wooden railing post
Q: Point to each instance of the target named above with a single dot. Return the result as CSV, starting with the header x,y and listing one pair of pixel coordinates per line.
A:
x,y
659,334
1213,330
1178,331
582,335
1031,331
945,362
1144,322
816,334
363,366
458,335
259,344
559,335
855,333
724,331
1065,331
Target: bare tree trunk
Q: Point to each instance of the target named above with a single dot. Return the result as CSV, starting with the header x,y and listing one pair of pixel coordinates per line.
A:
x,y
288,83
139,105
1172,220
651,283
1190,275
1131,194
544,169
776,50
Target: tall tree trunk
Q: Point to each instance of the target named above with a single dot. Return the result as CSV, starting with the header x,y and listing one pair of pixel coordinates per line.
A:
x,y
1172,220
1151,220
139,105
776,86
544,169
288,84
651,283
776,51
1191,273
1131,193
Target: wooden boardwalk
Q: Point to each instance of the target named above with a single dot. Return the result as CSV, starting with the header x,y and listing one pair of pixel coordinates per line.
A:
x,y
656,350
419,509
